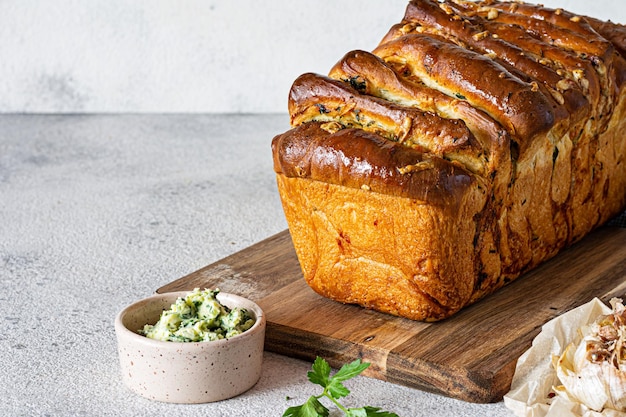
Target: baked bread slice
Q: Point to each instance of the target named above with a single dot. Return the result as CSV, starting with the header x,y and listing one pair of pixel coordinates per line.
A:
x,y
476,141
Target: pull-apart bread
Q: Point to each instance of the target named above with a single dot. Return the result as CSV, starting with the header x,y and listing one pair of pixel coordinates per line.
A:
x,y
475,142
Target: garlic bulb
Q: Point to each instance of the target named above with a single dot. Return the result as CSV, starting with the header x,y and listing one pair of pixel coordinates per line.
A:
x,y
593,373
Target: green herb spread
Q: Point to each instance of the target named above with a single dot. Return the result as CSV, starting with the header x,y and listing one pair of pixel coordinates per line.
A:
x,y
199,317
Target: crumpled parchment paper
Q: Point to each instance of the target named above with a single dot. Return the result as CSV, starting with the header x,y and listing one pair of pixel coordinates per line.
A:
x,y
531,393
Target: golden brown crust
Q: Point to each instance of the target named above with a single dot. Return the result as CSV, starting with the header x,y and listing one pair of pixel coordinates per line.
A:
x,y
563,30
614,32
477,140
553,27
517,105
347,253
359,159
373,77
476,33
319,98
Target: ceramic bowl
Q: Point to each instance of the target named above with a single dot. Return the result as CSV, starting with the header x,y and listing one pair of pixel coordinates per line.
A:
x,y
188,372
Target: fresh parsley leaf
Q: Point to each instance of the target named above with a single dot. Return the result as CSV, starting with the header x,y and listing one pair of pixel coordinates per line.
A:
x,y
311,408
335,387
333,390
350,370
369,412
320,373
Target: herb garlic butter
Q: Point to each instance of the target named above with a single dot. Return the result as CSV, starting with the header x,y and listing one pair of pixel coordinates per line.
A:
x,y
199,317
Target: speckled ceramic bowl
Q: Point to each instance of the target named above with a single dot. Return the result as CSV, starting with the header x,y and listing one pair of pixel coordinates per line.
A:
x,y
190,372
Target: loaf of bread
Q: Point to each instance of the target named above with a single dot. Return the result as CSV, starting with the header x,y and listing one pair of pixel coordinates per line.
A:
x,y
476,141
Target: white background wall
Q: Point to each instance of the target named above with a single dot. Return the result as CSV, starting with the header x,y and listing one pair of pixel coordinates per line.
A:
x,y
187,55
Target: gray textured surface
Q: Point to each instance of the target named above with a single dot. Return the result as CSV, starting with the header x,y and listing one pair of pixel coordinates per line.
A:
x,y
98,211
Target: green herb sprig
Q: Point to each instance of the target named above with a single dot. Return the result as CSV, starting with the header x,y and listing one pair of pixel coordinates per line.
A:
x,y
333,390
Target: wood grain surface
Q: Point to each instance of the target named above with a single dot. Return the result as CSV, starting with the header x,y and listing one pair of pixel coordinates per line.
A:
x,y
470,356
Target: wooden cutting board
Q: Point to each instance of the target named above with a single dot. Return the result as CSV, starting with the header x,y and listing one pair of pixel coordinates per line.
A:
x,y
470,356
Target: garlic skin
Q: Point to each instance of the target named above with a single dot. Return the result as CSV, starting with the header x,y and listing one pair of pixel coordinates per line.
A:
x,y
593,372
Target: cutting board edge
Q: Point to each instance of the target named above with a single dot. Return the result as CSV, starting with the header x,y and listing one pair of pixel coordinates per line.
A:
x,y
296,343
